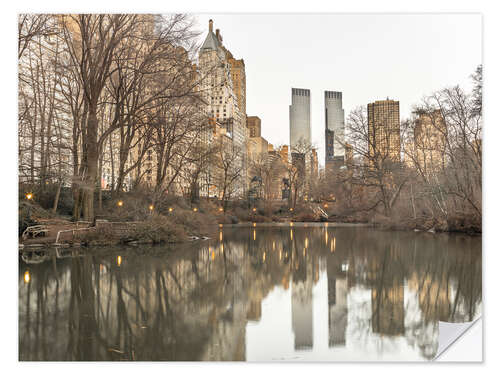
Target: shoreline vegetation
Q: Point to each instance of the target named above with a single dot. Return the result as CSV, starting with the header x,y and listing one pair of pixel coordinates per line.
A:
x,y
176,221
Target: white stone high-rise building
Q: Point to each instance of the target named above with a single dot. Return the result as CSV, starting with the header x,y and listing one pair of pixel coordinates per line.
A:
x,y
300,118
217,88
334,129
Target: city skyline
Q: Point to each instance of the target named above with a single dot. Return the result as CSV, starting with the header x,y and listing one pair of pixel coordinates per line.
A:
x,y
288,51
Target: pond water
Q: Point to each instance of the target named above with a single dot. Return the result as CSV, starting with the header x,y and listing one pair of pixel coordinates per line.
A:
x,y
311,292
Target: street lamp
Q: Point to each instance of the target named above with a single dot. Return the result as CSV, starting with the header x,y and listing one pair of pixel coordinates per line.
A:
x,y
120,203
170,209
29,196
195,209
151,207
254,209
221,209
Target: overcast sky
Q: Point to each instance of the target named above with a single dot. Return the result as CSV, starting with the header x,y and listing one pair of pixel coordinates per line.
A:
x,y
367,57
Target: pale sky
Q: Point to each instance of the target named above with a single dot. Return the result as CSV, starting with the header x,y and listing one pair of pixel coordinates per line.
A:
x,y
366,56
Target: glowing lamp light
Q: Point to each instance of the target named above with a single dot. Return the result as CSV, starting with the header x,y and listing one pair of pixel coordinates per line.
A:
x,y
195,209
27,277
29,196
291,208
119,260
325,205
221,209
254,209
151,207
120,203
170,209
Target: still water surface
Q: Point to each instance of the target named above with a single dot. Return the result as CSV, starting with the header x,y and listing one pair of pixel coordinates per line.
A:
x,y
271,292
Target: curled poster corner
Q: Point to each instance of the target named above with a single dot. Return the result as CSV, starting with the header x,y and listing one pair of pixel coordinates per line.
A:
x,y
449,333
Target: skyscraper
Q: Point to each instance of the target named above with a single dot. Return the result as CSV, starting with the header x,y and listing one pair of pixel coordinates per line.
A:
x,y
384,130
430,141
334,130
223,86
300,118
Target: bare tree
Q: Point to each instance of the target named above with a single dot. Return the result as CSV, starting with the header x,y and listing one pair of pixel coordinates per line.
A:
x,y
449,188
201,157
298,171
152,73
119,57
43,116
269,169
31,27
378,171
93,42
230,169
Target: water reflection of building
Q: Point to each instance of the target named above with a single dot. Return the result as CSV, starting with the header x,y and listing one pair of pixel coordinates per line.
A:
x,y
337,302
433,296
302,308
387,295
227,338
388,310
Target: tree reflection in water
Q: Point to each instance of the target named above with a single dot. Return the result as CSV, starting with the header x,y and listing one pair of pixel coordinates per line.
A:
x,y
193,302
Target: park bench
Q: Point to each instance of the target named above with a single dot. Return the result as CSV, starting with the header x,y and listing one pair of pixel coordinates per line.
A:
x,y
35,231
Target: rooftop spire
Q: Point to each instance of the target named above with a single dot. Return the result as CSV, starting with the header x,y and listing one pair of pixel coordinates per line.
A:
x,y
211,41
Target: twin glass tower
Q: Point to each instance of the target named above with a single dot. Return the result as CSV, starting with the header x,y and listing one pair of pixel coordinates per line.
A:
x,y
300,125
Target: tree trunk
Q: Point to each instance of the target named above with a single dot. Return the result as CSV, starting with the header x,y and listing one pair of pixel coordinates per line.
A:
x,y
76,203
56,199
99,185
91,161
